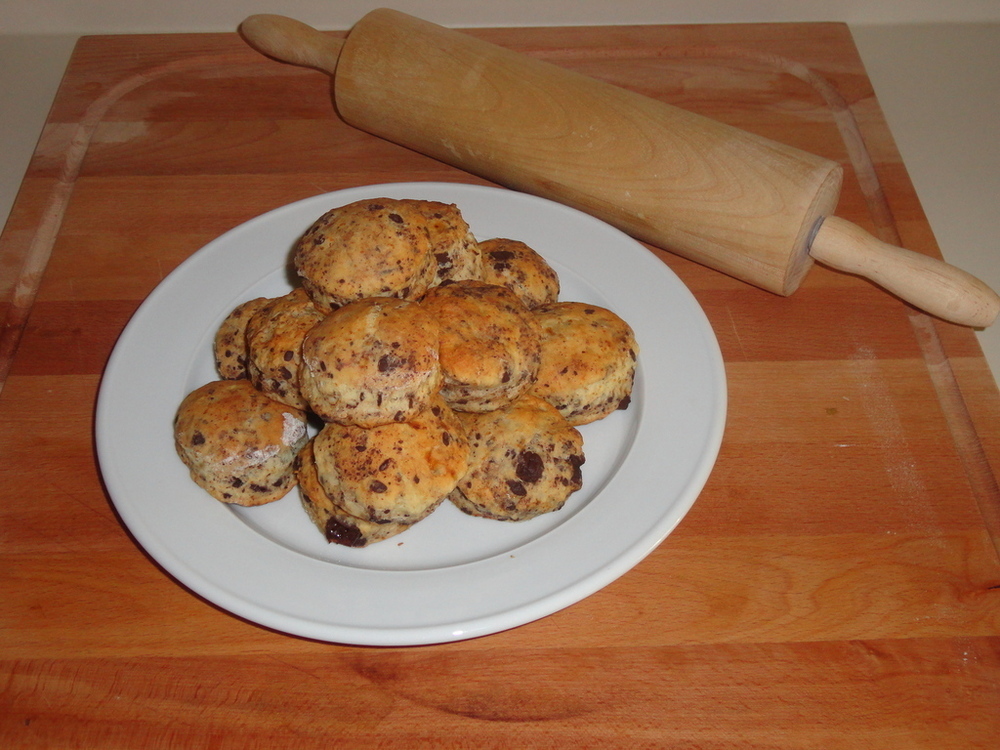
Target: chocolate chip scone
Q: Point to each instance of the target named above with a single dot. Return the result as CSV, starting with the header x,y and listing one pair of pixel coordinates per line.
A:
x,y
230,344
371,362
372,248
393,473
588,360
274,337
336,524
238,444
515,265
455,249
490,344
525,461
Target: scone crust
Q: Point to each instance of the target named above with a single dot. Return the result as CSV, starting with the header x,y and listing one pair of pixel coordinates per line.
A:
x,y
490,344
274,337
371,362
517,266
525,461
336,524
456,251
238,444
395,472
230,344
371,248
588,360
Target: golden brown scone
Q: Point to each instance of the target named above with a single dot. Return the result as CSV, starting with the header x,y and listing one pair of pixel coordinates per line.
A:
x,y
515,265
490,344
238,444
525,461
372,248
455,249
230,345
588,360
394,473
274,337
371,362
337,525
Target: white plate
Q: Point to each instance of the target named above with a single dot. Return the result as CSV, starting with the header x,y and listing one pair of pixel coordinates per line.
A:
x,y
451,576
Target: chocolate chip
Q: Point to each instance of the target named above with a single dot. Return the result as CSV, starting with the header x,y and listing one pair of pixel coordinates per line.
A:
x,y
624,403
339,533
289,355
396,218
236,482
529,467
384,465
388,362
516,488
197,439
377,486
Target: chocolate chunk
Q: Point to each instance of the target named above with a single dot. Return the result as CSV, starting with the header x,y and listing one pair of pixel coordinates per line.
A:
x,y
529,467
576,462
338,533
516,488
389,362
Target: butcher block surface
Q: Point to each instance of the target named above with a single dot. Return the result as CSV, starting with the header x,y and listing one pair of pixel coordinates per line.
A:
x,y
836,584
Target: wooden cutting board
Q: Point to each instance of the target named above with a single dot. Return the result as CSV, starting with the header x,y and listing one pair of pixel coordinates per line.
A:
x,y
836,584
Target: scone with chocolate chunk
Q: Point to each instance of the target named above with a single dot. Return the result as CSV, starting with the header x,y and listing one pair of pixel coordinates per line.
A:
x,y
336,524
371,362
394,473
455,249
274,337
588,360
238,444
379,247
230,344
490,344
525,461
515,265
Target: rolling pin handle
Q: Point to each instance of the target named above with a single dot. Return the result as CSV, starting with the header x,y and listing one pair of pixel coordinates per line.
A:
x,y
925,282
291,41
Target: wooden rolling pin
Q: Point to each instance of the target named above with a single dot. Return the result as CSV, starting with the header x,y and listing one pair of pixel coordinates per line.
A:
x,y
755,209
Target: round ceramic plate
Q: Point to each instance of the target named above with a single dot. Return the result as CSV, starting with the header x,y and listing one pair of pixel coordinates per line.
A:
x,y
451,576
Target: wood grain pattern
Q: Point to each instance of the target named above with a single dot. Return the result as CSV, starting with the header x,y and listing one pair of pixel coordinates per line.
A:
x,y
837,584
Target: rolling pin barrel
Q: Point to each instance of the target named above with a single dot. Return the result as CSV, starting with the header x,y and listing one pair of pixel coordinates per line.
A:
x,y
718,195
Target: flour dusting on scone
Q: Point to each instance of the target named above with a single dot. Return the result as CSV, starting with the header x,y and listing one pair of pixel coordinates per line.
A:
x,y
238,444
